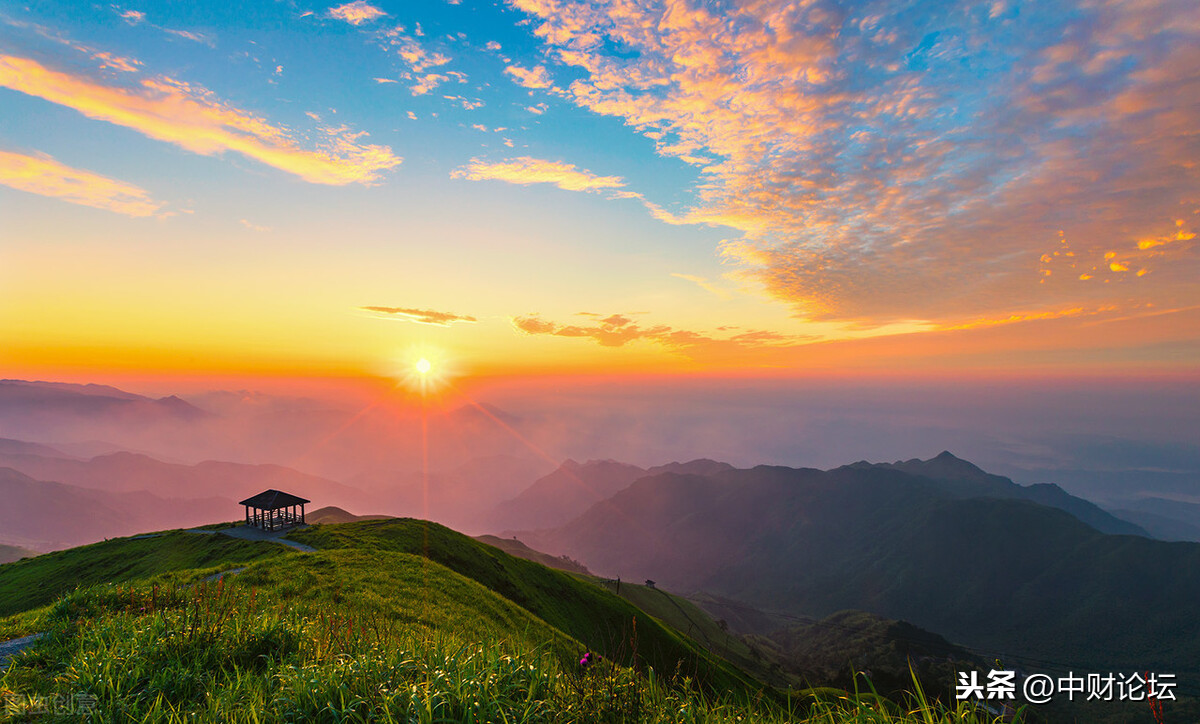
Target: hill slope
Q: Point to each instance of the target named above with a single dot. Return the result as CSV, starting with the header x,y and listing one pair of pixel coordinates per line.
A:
x,y
601,621
384,593
35,582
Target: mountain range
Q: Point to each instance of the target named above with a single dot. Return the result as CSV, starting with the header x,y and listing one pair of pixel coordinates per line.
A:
x,y
954,551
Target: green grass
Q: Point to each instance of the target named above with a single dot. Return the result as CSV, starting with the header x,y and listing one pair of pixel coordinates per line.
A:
x,y
600,620
399,589
394,620
267,647
35,582
690,620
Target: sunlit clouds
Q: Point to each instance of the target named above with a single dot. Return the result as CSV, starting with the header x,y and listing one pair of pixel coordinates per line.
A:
x,y
526,170
421,316
885,164
758,185
193,118
356,13
45,176
535,77
618,330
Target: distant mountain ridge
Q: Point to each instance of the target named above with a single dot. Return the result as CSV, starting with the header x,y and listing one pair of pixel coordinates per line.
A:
x,y
1002,572
556,498
89,399
123,472
46,515
964,479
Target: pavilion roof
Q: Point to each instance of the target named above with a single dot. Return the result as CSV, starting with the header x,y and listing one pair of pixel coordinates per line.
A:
x,y
273,500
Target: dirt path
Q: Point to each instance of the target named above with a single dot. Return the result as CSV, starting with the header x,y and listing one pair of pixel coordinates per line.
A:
x,y
12,647
247,532
222,574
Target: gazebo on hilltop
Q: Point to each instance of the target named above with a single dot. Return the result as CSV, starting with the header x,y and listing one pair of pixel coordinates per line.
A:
x,y
274,509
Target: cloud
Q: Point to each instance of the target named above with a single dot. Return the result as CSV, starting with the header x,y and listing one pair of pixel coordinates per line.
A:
x,y
44,176
254,227
357,12
427,83
116,62
618,330
879,165
193,118
189,35
535,77
468,105
526,170
421,316
133,17
704,284
417,56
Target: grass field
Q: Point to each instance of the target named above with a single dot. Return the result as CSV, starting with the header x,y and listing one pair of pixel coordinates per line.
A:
x,y
396,620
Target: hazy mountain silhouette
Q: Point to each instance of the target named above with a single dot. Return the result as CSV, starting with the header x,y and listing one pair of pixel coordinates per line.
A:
x,y
8,554
127,472
60,398
702,466
334,514
961,478
558,497
1164,518
460,497
1003,573
46,515
20,447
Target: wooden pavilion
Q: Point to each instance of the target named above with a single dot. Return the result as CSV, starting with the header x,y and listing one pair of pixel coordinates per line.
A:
x,y
273,509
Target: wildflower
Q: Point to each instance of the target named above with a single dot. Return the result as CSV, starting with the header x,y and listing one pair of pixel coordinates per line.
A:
x,y
586,661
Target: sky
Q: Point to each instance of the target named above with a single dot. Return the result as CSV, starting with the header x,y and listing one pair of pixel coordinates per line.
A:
x,y
546,188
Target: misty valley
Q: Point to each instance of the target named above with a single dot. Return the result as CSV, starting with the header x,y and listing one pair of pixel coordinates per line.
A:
x,y
875,577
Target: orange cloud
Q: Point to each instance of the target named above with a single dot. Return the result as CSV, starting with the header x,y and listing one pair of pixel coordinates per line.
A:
x,y
412,52
44,176
526,170
193,118
357,12
873,178
427,83
618,330
421,316
535,77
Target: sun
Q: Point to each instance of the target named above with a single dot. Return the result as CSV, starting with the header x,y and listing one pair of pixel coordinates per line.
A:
x,y
424,370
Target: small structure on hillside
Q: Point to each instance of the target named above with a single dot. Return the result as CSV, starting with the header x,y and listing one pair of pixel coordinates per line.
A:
x,y
274,509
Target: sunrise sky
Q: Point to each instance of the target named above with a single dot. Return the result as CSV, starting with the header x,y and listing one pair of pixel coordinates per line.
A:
x,y
535,187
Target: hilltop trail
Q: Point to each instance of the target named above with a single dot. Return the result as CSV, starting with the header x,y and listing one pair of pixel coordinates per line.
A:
x,y
250,533
12,647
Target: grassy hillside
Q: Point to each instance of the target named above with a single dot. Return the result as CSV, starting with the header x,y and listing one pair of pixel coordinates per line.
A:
x,y
689,619
600,620
516,548
362,631
35,582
